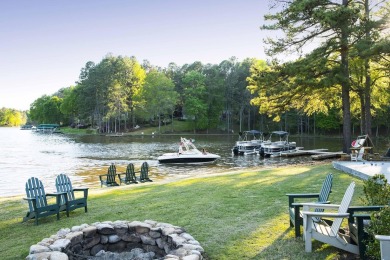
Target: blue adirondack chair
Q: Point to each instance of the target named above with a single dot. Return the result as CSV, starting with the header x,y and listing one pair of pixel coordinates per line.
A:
x,y
37,201
294,208
109,178
64,185
144,174
129,176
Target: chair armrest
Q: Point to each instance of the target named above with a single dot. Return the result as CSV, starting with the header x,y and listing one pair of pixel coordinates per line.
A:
x,y
320,206
80,189
104,175
292,197
382,237
29,199
300,204
325,214
303,195
354,209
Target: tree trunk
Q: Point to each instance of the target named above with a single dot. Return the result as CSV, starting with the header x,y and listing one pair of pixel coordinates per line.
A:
x,y
367,88
345,86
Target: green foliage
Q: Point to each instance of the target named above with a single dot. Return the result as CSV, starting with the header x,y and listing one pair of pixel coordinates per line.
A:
x,y
379,225
376,190
331,121
46,109
12,117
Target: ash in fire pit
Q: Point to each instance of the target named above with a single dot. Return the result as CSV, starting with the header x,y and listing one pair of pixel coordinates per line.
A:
x,y
119,240
134,254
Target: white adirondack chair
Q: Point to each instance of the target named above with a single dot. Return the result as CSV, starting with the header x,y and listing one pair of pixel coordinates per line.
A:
x,y
385,246
321,231
358,156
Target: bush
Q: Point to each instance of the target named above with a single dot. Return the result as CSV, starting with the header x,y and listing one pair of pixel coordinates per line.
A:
x,y
377,192
379,225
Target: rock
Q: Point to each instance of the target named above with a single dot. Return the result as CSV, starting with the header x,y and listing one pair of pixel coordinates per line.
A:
x,y
191,257
89,242
75,237
58,256
38,249
89,231
113,239
105,229
147,240
60,244
140,227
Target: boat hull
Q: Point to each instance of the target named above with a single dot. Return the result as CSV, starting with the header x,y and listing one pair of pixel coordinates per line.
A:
x,y
182,158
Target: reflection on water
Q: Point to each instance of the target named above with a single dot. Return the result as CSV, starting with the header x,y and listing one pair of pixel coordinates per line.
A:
x,y
25,154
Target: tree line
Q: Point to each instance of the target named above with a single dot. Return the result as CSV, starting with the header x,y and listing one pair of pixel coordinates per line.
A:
x,y
339,81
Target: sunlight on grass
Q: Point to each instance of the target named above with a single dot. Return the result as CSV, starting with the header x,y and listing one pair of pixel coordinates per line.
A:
x,y
240,215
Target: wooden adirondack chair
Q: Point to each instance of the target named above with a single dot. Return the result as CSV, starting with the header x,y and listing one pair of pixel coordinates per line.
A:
x,y
37,201
129,176
357,220
64,185
330,234
109,178
385,246
358,156
294,208
144,175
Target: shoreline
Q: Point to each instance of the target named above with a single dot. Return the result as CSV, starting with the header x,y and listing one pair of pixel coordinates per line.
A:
x,y
170,179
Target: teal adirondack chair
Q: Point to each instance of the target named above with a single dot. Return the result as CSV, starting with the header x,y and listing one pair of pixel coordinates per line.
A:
x,y
37,201
294,208
144,174
129,176
64,185
109,178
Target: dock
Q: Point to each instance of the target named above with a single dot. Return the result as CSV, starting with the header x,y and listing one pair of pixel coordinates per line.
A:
x,y
316,154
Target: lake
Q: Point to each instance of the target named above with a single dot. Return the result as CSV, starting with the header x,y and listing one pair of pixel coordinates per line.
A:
x,y
25,154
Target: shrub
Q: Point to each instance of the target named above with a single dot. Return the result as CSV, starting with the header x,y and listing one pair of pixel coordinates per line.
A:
x,y
377,192
379,225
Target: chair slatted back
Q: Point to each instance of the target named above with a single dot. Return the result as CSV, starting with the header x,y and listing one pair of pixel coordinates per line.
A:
x,y
130,173
35,189
361,154
63,184
344,205
111,174
144,171
326,188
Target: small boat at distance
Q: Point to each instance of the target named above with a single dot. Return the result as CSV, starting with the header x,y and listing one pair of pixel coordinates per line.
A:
x,y
249,142
272,148
187,153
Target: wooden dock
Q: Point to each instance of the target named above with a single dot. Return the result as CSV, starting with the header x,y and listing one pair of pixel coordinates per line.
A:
x,y
316,154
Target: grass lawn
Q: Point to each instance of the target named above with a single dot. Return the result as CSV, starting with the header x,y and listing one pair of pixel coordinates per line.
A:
x,y
233,216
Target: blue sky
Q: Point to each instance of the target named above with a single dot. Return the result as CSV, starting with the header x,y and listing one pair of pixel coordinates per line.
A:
x,y
45,43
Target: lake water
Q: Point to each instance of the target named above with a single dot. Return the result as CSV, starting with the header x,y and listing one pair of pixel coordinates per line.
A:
x,y
25,154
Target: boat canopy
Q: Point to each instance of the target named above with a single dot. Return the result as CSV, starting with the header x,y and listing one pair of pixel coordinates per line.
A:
x,y
281,133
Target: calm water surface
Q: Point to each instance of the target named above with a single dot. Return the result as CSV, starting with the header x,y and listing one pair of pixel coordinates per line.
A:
x,y
25,154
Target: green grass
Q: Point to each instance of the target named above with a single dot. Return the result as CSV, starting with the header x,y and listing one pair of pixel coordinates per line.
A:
x,y
233,216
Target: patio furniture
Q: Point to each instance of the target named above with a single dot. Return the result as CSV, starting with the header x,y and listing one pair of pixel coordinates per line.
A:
x,y
294,208
64,185
37,201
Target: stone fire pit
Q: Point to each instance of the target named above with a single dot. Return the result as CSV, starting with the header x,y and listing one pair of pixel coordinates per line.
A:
x,y
119,240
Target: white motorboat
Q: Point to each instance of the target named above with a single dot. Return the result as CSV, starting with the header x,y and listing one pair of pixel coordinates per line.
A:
x,y
272,148
249,142
188,153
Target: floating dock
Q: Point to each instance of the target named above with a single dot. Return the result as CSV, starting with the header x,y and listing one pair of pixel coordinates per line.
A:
x,y
316,154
